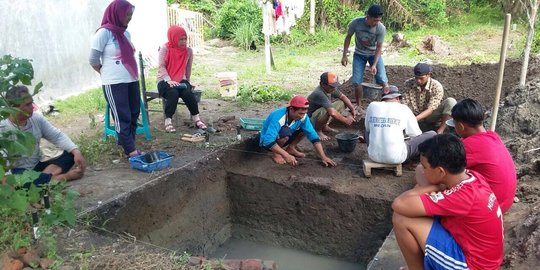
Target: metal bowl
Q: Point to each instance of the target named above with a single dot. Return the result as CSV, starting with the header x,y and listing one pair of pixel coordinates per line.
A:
x,y
371,91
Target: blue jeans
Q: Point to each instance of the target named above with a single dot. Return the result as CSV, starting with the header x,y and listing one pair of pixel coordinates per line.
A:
x,y
359,66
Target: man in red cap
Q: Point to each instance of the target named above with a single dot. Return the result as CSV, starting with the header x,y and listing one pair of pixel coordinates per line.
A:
x,y
284,128
321,107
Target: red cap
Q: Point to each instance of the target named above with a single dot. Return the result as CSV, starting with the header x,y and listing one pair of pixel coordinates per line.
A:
x,y
298,102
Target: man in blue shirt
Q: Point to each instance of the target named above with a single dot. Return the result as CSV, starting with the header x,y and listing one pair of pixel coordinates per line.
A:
x,y
285,127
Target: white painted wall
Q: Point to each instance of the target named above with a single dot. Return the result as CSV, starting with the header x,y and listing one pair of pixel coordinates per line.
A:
x,y
56,35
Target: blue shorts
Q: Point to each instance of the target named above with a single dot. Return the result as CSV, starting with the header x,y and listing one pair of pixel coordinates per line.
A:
x,y
359,66
442,251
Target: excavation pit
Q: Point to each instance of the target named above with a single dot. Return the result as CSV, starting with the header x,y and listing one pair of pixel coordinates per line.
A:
x,y
238,197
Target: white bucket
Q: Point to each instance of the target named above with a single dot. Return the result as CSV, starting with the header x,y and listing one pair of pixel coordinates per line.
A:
x,y
228,84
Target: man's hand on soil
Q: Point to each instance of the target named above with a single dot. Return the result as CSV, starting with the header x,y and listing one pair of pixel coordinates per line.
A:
x,y
291,160
328,162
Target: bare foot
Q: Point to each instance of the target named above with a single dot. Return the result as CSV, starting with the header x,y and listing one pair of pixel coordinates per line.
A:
x,y
293,151
73,174
404,268
277,158
329,129
322,136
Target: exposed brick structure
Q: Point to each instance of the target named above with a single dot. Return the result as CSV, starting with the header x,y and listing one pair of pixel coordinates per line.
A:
x,y
248,264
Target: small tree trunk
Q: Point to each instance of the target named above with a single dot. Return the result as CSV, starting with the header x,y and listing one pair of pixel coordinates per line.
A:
x,y
531,14
312,17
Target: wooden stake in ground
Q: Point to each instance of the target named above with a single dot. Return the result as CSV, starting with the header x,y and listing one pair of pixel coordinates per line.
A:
x,y
500,76
532,8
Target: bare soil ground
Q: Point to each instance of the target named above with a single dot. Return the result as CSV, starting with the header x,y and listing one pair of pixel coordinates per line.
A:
x,y
518,124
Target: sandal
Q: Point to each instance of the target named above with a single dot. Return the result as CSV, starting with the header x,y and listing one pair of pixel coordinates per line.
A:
x,y
200,124
170,128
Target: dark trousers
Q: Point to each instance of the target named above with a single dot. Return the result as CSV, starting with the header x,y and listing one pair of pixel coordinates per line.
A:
x,y
172,94
64,161
124,100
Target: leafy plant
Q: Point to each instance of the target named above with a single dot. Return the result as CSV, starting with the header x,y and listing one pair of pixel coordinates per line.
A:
x,y
263,93
245,34
234,13
15,201
435,11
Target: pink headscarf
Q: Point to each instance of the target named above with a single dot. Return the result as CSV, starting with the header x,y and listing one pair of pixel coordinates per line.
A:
x,y
177,57
113,18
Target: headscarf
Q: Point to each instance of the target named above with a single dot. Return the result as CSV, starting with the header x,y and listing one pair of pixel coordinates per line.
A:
x,y
177,57
112,20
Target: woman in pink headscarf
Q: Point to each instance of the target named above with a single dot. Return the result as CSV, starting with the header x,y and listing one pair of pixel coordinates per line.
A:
x,y
113,57
175,59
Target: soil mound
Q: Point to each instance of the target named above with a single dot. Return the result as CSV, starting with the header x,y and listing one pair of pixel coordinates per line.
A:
x,y
476,81
519,121
524,243
434,44
520,114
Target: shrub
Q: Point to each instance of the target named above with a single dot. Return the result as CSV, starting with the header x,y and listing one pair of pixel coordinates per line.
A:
x,y
233,13
435,11
263,93
244,34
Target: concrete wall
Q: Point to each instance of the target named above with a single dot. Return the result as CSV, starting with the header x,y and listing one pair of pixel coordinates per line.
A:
x,y
56,35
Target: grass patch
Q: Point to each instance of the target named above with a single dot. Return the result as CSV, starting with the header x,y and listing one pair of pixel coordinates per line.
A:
x,y
88,102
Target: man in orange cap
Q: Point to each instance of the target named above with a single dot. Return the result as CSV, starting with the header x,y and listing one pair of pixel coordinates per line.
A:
x,y
284,128
322,109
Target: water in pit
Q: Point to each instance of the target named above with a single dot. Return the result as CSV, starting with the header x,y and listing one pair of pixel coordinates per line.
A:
x,y
285,258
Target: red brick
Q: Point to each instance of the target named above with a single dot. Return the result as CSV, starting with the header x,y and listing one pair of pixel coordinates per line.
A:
x,y
233,264
9,263
194,260
252,264
269,265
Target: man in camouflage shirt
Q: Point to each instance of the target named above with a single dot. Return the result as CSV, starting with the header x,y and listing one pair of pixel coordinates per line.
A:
x,y
424,96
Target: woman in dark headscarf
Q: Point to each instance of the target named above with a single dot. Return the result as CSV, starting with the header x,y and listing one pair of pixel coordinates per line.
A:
x,y
112,56
175,59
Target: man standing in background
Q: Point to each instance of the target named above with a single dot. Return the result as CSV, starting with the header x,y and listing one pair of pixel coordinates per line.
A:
x,y
369,37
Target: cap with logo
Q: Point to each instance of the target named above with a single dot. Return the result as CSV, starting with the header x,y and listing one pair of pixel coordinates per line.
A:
x,y
331,79
298,102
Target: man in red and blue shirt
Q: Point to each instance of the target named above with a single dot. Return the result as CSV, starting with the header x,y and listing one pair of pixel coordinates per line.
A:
x,y
458,227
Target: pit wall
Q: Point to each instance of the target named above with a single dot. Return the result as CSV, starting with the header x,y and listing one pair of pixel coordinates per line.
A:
x,y
186,209
308,216
227,194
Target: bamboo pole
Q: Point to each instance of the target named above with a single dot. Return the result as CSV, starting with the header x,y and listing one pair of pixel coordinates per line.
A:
x,y
502,61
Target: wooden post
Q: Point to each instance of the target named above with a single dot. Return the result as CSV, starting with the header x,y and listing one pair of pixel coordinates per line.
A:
x,y
267,57
502,61
267,6
312,17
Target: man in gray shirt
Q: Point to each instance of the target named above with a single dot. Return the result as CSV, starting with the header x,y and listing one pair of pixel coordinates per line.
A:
x,y
369,37
321,108
60,168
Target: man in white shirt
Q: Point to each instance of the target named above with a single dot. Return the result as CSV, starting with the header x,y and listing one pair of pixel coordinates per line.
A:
x,y
385,122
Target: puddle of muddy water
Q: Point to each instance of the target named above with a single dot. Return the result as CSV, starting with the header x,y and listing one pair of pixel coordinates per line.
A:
x,y
286,258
